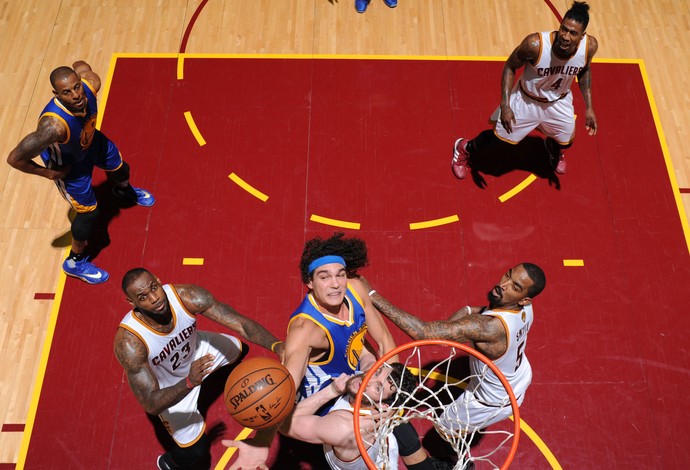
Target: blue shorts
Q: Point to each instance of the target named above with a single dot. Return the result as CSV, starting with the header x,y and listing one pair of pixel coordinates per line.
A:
x,y
76,186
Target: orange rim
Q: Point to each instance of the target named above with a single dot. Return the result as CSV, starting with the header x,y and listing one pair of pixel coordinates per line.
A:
x,y
440,342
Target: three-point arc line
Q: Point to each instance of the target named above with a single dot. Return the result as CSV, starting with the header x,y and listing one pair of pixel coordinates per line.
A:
x,y
195,130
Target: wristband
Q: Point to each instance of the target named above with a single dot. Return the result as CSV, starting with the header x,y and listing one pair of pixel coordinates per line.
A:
x,y
189,383
372,292
273,346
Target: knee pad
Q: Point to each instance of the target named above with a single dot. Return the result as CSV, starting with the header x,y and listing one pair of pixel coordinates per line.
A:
x,y
408,439
83,224
186,456
121,174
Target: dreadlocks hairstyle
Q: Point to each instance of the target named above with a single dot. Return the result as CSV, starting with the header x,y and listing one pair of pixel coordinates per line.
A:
x,y
536,274
353,250
579,12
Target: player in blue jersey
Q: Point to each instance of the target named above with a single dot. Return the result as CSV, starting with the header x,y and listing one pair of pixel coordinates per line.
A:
x,y
333,329
70,146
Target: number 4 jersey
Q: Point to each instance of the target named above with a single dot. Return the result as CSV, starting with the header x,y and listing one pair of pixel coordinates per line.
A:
x,y
169,355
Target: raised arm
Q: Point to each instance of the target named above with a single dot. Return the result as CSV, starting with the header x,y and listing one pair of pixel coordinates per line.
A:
x,y
84,71
132,355
376,326
49,131
461,328
584,80
200,301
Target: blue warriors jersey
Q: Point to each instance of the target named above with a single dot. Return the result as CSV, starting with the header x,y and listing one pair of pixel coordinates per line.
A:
x,y
345,339
81,129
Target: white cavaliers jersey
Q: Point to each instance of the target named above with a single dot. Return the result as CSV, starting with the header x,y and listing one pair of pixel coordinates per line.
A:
x,y
358,464
513,363
549,79
169,355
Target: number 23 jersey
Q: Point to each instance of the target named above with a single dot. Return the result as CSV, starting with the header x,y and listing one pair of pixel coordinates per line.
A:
x,y
169,355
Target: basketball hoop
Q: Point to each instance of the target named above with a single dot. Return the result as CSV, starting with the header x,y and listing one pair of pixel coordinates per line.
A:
x,y
431,361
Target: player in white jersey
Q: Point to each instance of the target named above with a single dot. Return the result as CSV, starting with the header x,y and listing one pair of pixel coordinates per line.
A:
x,y
498,331
166,358
541,99
334,431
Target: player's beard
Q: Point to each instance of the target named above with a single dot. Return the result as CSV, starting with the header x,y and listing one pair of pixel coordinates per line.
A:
x,y
163,317
493,297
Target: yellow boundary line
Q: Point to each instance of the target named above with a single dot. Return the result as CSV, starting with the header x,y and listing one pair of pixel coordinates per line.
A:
x,y
666,153
42,367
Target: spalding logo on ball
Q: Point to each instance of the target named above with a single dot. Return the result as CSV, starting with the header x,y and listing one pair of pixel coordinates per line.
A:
x,y
259,393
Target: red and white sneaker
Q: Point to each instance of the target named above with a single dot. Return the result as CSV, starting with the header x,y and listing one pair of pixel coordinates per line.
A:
x,y
556,156
460,163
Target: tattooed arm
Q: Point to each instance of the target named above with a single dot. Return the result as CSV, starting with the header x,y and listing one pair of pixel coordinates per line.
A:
x,y
200,301
463,329
49,131
132,355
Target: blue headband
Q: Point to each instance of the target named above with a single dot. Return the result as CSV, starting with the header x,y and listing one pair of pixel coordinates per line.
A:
x,y
318,262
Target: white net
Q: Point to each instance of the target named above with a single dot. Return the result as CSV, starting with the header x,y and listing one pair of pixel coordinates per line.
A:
x,y
475,432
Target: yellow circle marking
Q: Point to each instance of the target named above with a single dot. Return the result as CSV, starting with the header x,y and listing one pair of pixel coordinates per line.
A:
x,y
434,223
334,222
526,182
195,130
247,187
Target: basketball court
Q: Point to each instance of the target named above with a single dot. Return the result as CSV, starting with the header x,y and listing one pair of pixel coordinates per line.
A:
x,y
248,157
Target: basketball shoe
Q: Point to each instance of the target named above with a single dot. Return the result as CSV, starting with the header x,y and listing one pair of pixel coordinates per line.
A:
x,y
136,195
361,5
82,269
556,156
391,3
460,162
163,464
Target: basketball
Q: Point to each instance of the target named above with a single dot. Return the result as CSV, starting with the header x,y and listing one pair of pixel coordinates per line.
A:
x,y
259,393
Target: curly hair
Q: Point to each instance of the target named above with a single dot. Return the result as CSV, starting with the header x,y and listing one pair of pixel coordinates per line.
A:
x,y
353,250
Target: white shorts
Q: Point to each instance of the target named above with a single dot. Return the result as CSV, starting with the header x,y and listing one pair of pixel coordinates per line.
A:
x,y
183,420
555,119
467,414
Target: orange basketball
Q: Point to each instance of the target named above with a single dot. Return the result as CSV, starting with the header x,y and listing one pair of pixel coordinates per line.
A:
x,y
259,393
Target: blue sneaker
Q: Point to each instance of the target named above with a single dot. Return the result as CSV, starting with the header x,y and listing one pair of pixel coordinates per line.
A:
x,y
87,272
391,3
137,195
361,5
